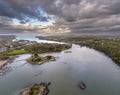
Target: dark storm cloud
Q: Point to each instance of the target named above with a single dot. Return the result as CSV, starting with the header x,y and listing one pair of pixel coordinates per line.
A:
x,y
80,15
70,10
114,8
22,10
6,10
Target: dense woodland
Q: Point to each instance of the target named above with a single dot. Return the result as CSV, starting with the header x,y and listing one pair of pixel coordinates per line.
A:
x,y
108,45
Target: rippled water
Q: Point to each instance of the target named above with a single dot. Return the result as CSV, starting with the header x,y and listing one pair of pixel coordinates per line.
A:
x,y
100,74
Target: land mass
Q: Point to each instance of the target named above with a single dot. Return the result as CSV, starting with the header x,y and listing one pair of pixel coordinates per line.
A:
x,y
37,89
36,59
17,47
109,45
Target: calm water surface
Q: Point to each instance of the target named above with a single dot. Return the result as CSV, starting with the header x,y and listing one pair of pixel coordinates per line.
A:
x,y
100,74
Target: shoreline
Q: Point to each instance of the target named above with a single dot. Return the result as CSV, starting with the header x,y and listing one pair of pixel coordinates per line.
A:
x,y
36,89
109,45
9,49
39,63
29,60
3,63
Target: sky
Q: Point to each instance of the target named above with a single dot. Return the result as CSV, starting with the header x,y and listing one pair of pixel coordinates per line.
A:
x,y
60,16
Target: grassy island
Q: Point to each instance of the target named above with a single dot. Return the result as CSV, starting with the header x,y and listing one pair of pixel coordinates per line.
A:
x,y
24,46
33,48
37,89
36,47
36,59
109,45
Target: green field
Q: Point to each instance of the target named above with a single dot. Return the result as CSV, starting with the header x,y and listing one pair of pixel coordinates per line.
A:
x,y
16,52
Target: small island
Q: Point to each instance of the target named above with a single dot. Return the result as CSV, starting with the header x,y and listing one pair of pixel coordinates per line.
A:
x,y
10,49
36,59
36,89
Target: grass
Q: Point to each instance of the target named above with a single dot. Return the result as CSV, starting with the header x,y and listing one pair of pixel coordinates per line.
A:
x,y
37,89
16,52
34,48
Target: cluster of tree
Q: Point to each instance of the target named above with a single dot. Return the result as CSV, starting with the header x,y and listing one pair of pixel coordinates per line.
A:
x,y
110,47
36,59
42,48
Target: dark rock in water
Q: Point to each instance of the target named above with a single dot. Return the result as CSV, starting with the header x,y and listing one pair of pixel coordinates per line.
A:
x,y
82,86
49,83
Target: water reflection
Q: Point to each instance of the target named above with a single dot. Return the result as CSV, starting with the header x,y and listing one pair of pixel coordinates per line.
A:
x,y
100,74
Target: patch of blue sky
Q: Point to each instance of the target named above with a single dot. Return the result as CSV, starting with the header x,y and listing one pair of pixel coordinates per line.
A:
x,y
34,20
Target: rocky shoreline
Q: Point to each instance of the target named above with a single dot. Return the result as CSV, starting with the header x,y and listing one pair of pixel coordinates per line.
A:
x,y
11,48
38,60
36,89
3,63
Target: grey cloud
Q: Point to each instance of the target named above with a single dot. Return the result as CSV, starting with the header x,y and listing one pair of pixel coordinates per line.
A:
x,y
71,10
6,10
20,10
69,2
80,15
114,8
